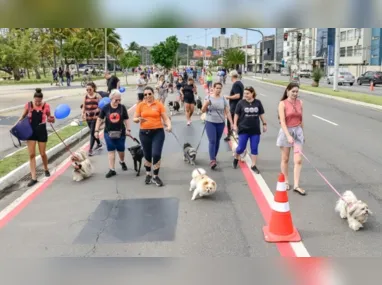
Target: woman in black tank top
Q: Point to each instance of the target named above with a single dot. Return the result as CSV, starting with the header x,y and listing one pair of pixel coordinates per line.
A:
x,y
188,92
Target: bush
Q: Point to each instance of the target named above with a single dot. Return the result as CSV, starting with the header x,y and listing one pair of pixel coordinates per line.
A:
x,y
317,74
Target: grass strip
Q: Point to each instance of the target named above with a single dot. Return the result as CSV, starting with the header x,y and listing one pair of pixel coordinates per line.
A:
x,y
20,157
361,97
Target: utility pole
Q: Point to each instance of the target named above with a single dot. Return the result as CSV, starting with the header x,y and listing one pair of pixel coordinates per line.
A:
x,y
188,45
105,49
246,51
336,59
205,47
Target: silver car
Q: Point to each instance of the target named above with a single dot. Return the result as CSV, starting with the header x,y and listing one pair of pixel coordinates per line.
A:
x,y
343,78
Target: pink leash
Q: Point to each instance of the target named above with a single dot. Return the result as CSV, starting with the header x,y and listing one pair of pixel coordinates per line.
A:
x,y
298,150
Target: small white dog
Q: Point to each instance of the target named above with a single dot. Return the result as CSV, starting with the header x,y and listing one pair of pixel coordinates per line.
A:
x,y
201,184
352,209
82,166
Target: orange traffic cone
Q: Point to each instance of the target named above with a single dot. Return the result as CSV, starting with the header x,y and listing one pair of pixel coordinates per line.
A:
x,y
280,228
371,86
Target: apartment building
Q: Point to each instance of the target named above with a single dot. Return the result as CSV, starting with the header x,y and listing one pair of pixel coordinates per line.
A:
x,y
235,41
220,42
306,47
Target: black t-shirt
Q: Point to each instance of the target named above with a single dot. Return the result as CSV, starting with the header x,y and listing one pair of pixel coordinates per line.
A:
x,y
237,88
249,116
114,118
188,91
179,85
112,83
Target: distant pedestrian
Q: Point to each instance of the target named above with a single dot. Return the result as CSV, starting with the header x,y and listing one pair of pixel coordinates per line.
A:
x,y
90,113
68,76
234,98
112,82
291,134
39,114
162,88
209,79
188,92
117,127
248,114
217,109
141,84
61,75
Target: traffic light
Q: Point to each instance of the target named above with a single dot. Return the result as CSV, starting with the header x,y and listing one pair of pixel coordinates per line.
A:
x,y
299,35
285,37
222,31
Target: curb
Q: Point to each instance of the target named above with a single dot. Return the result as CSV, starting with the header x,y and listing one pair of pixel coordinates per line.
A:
x,y
17,174
354,102
22,106
47,100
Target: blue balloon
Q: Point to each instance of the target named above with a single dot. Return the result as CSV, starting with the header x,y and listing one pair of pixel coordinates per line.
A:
x,y
62,111
104,101
122,89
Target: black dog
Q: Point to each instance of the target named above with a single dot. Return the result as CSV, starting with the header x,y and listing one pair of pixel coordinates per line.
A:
x,y
199,104
137,155
174,106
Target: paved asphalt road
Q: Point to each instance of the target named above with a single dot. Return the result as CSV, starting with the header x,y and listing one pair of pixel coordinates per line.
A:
x,y
123,217
365,88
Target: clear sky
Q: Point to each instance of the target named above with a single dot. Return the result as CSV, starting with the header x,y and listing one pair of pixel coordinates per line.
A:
x,y
150,37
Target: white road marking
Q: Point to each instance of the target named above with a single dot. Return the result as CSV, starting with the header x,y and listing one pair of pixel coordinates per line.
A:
x,y
325,120
262,95
298,247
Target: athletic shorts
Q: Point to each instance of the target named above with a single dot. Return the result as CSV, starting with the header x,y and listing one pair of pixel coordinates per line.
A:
x,y
115,144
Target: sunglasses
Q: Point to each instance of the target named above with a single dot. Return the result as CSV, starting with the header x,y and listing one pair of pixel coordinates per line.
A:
x,y
147,94
118,100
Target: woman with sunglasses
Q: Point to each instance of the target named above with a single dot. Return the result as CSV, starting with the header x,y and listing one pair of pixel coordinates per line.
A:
x,y
90,112
151,114
117,127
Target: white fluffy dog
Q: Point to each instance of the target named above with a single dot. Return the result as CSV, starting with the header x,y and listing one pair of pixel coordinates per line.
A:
x,y
201,184
82,166
352,209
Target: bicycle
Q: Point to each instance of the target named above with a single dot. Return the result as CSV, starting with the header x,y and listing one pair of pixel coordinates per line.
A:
x,y
85,80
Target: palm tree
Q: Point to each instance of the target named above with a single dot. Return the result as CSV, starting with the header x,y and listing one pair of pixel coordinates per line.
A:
x,y
234,57
113,40
60,35
133,47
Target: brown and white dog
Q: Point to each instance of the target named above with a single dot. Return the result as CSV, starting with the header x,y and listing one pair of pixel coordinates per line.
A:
x,y
82,166
202,184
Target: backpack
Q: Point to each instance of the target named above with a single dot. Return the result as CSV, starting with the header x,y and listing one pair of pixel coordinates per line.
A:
x,y
23,129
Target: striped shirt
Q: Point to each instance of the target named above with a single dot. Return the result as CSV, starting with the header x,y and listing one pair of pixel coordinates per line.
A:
x,y
91,107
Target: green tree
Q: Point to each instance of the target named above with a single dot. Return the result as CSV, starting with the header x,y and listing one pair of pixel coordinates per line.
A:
x,y
165,52
129,60
18,50
233,57
133,46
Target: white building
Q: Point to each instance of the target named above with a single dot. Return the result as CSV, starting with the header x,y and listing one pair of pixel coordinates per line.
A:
x,y
220,42
235,41
306,49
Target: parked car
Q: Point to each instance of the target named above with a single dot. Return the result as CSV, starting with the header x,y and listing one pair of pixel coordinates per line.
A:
x,y
343,78
304,73
284,72
370,76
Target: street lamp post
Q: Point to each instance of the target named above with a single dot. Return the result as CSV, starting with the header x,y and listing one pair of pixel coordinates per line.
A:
x,y
188,45
246,51
105,49
262,57
336,59
205,47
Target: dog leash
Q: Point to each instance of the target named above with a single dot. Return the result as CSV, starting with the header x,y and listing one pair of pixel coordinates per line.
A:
x,y
66,146
322,176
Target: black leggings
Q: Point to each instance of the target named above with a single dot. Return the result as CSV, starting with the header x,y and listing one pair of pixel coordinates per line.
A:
x,y
229,127
152,143
93,139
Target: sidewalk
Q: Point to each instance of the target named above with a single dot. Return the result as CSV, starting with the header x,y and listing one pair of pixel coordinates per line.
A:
x,y
123,217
